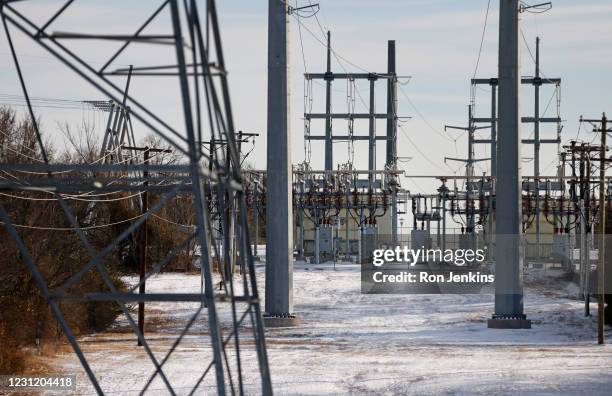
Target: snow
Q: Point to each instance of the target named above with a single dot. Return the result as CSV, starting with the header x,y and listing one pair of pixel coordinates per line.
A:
x,y
349,343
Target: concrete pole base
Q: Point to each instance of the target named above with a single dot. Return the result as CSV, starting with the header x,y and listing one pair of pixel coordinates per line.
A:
x,y
286,320
509,323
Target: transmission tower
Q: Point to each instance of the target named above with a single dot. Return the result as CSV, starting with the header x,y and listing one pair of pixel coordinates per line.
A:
x,y
197,64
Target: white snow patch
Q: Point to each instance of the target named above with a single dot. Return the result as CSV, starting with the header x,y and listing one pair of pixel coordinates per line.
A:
x,y
349,343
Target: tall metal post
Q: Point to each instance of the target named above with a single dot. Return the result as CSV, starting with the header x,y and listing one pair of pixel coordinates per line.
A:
x,y
469,167
536,145
256,219
509,257
317,252
494,130
301,234
391,104
391,160
469,205
360,238
492,218
372,130
300,209
279,203
444,221
347,243
329,147
438,235
394,215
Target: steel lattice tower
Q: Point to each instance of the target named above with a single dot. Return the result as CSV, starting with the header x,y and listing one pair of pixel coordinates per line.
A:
x,y
198,65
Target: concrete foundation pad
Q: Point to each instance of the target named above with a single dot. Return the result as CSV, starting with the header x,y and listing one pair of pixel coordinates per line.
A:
x,y
281,321
509,324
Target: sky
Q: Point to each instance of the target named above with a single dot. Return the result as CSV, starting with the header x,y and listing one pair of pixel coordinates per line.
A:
x,y
438,44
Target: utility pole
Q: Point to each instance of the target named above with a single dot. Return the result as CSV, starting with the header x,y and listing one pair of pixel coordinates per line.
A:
x,y
536,145
585,262
279,201
469,166
536,81
390,115
602,233
509,254
391,105
256,218
601,273
143,232
391,160
329,77
372,128
582,200
493,131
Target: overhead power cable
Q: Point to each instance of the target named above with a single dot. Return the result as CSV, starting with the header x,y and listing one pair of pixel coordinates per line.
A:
x,y
422,117
74,229
484,31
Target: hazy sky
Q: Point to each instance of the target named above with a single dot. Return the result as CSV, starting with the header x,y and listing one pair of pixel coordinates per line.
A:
x,y
437,44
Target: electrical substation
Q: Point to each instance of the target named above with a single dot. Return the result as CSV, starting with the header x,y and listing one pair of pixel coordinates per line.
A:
x,y
245,230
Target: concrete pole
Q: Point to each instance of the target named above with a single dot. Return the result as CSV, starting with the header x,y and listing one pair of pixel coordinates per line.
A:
x,y
509,257
279,213
536,147
329,147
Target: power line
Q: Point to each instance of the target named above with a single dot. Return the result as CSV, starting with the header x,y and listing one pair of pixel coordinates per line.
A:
x,y
73,229
429,125
44,102
484,31
302,43
75,198
172,222
531,55
416,147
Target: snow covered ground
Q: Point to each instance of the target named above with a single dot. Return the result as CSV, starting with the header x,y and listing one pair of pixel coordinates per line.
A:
x,y
349,343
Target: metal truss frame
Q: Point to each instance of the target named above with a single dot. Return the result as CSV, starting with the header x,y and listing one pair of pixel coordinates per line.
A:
x,y
206,108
